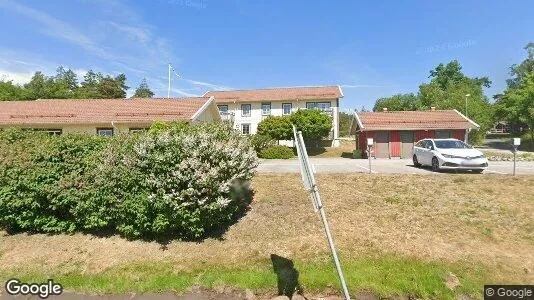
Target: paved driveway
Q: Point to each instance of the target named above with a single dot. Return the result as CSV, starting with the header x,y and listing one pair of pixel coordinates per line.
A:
x,y
400,166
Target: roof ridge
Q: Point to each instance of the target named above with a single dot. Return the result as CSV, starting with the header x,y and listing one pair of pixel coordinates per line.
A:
x,y
106,99
274,88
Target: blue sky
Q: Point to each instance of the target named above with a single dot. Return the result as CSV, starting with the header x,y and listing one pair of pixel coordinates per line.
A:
x,y
371,49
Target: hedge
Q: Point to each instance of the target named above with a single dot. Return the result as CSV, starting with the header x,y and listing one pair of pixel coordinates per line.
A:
x,y
277,152
175,181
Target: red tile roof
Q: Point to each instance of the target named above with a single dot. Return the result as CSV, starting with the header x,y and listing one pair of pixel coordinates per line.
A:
x,y
97,111
278,94
411,120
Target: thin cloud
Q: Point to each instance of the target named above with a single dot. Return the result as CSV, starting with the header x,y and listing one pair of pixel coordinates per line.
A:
x,y
208,85
59,29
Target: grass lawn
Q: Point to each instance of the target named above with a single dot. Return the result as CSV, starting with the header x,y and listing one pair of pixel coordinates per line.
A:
x,y
397,234
345,149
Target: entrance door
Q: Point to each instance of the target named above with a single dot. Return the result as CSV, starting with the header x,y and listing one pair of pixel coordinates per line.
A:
x,y
406,144
382,144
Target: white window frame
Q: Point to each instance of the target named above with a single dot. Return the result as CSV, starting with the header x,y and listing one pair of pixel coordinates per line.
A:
x,y
221,106
284,110
54,132
263,111
243,127
99,131
317,105
249,110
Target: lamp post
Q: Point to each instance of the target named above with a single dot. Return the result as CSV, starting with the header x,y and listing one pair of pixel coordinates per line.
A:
x,y
466,95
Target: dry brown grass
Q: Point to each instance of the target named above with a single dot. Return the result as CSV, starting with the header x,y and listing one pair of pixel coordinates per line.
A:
x,y
485,219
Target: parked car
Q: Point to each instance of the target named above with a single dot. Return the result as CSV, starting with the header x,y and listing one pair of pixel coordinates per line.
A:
x,y
448,154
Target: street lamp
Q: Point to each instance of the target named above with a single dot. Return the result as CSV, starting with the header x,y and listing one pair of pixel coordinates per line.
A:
x,y
466,95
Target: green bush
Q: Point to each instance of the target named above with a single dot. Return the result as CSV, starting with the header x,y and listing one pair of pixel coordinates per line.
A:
x,y
277,127
172,182
357,154
277,152
43,179
260,142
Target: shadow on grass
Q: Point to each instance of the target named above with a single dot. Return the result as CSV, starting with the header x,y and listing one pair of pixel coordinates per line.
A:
x,y
446,171
287,276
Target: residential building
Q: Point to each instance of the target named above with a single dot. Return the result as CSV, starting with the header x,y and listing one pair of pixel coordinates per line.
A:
x,y
246,108
395,132
104,116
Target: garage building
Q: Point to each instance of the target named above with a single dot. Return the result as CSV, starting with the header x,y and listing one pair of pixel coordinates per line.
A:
x,y
395,132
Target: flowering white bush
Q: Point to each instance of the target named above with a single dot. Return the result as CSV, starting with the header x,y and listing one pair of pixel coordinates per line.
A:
x,y
183,181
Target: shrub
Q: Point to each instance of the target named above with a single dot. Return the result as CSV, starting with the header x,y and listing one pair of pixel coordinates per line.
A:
x,y
184,182
175,181
314,124
260,142
277,152
43,179
277,127
357,154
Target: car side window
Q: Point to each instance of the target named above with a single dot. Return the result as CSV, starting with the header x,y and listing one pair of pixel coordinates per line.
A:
x,y
430,145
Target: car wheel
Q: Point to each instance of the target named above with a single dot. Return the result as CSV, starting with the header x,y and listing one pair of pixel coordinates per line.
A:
x,y
478,171
435,164
415,161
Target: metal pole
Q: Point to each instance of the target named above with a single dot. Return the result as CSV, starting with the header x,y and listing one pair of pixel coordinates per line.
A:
x,y
515,151
169,88
315,194
369,157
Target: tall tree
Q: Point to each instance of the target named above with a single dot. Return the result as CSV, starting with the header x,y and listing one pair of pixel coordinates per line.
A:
x,y
143,91
450,88
344,123
397,102
524,68
516,104
10,91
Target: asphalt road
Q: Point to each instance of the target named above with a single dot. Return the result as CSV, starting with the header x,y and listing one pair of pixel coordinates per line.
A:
x,y
395,166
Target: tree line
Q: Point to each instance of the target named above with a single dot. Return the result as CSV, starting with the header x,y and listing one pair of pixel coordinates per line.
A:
x,y
65,85
450,88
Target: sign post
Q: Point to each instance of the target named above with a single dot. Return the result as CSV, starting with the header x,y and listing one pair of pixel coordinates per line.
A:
x,y
516,143
306,171
370,143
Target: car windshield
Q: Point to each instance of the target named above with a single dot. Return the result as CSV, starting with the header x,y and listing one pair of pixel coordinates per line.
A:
x,y
451,144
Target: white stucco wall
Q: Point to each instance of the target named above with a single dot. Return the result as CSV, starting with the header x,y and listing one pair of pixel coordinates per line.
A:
x,y
277,110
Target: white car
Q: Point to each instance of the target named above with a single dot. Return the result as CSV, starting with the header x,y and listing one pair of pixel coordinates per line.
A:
x,y
448,154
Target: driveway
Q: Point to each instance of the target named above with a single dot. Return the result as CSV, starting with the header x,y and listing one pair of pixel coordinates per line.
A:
x,y
395,166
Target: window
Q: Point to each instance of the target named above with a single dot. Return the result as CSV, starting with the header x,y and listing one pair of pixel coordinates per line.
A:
x,y
137,129
54,132
51,132
322,106
245,128
104,131
245,110
222,108
266,109
286,108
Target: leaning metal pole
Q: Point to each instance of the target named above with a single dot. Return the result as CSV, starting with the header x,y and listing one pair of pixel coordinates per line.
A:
x,y
311,187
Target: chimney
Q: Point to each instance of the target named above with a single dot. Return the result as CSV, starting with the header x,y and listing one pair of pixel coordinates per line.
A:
x,y
432,108
384,109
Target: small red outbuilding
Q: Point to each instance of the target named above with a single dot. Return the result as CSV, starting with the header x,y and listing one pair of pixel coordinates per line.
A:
x,y
395,132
